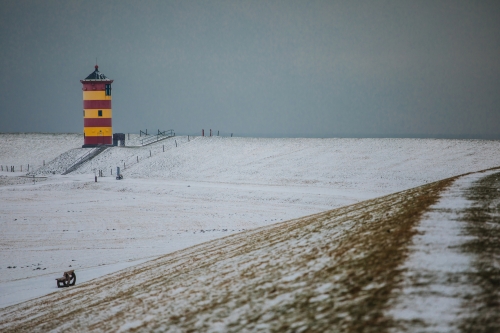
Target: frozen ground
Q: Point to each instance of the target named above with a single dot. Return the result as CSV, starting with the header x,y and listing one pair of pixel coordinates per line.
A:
x,y
203,189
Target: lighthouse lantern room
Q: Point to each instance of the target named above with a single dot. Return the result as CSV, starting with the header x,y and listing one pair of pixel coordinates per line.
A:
x,y
97,114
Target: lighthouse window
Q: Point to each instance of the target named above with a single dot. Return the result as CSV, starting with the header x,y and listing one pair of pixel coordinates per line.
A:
x,y
108,89
99,113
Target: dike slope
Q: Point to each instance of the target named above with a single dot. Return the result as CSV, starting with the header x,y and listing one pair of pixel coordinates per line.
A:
x,y
332,271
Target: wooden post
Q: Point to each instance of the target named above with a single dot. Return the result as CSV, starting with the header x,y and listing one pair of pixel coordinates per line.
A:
x,y
123,165
43,162
163,148
175,143
111,171
28,168
217,132
202,132
150,153
137,160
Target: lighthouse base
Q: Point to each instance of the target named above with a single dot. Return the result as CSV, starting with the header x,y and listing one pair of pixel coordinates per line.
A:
x,y
95,145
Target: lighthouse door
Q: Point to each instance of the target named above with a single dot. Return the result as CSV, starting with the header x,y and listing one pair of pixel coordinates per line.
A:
x,y
101,138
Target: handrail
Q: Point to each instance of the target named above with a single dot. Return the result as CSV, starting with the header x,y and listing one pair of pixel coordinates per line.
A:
x,y
87,154
161,135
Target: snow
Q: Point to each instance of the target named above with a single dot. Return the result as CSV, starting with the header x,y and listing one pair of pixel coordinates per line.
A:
x,y
175,197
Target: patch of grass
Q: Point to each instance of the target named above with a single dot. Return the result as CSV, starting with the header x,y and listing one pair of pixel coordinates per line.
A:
x,y
483,223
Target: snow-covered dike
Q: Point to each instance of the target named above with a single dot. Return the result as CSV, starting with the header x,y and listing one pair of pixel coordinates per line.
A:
x,y
18,149
178,193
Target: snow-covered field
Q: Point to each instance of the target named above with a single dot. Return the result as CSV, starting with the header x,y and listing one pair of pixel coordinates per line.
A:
x,y
178,193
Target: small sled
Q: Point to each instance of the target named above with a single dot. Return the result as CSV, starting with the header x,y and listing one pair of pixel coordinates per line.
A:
x,y
68,279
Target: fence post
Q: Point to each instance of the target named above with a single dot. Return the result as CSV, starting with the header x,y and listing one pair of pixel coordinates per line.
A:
x,y
217,132
111,171
163,148
43,162
202,132
150,153
137,161
175,143
28,168
123,165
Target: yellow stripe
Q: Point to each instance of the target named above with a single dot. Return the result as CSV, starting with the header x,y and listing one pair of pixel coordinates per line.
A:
x,y
99,95
93,113
96,131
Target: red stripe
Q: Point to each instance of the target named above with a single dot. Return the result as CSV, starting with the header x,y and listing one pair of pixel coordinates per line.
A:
x,y
96,122
100,104
98,140
95,85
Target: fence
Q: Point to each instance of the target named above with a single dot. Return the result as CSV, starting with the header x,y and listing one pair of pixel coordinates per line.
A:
x,y
20,167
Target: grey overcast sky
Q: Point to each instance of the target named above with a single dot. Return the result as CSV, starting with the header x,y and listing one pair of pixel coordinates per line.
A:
x,y
257,68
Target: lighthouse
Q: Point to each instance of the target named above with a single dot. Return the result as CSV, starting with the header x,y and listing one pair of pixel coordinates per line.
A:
x,y
97,112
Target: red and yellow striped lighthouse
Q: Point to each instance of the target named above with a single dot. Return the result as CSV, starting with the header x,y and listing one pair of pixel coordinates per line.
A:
x,y
97,114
